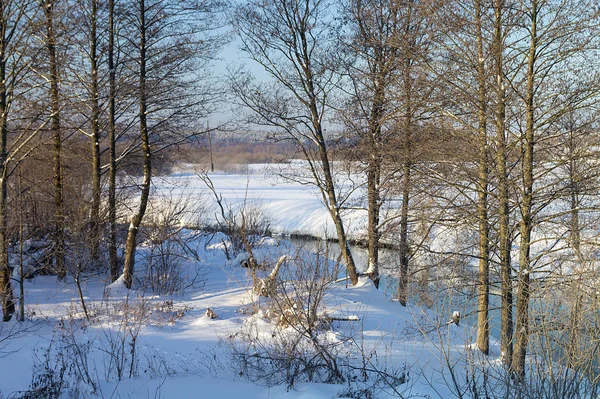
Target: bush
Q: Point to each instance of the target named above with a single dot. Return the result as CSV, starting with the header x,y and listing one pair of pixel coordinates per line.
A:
x,y
301,346
244,227
170,244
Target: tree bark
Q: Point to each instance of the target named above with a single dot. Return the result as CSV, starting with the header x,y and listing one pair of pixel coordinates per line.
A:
x,y
407,160
574,190
6,291
334,208
526,224
95,222
506,305
59,235
374,179
483,287
131,243
112,168
404,246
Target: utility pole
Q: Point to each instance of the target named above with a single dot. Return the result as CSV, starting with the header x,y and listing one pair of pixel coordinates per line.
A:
x,y
212,164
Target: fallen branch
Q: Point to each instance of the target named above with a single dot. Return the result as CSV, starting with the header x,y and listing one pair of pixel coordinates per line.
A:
x,y
266,287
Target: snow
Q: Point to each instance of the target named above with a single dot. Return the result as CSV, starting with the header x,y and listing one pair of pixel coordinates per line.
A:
x,y
291,208
182,353
187,342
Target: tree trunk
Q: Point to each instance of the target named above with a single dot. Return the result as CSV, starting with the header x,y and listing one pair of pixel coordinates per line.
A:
x,y
506,322
404,247
574,191
374,203
332,201
21,240
6,291
112,168
483,287
59,235
575,234
407,170
7,295
526,224
131,243
374,181
95,222
334,211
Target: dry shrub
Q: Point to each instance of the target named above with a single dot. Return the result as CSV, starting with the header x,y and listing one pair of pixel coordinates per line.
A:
x,y
170,245
300,347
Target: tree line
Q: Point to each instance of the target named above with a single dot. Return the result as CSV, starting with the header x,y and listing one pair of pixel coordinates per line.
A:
x,y
510,86
514,83
90,89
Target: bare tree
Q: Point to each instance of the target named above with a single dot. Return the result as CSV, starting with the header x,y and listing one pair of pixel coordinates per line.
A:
x,y
382,36
112,168
175,40
466,45
292,40
415,88
91,49
558,34
50,41
85,109
504,239
483,297
136,220
16,131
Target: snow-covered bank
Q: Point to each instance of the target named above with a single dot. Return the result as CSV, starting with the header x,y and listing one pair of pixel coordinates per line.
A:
x,y
182,353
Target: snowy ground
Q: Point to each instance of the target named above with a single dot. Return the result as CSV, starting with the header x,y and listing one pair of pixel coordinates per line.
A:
x,y
290,207
182,353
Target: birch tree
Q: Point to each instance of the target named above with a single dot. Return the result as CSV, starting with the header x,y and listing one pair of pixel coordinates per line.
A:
x,y
112,143
501,30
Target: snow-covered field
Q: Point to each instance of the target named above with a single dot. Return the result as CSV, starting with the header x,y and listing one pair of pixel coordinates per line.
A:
x,y
290,207
180,352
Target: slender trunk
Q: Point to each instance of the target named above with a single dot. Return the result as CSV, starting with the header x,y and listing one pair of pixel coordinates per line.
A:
x,y
210,151
407,170
373,198
506,318
8,300
59,235
404,247
329,188
95,222
80,292
483,287
575,235
526,224
374,181
334,211
574,191
112,168
131,243
6,291
21,260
